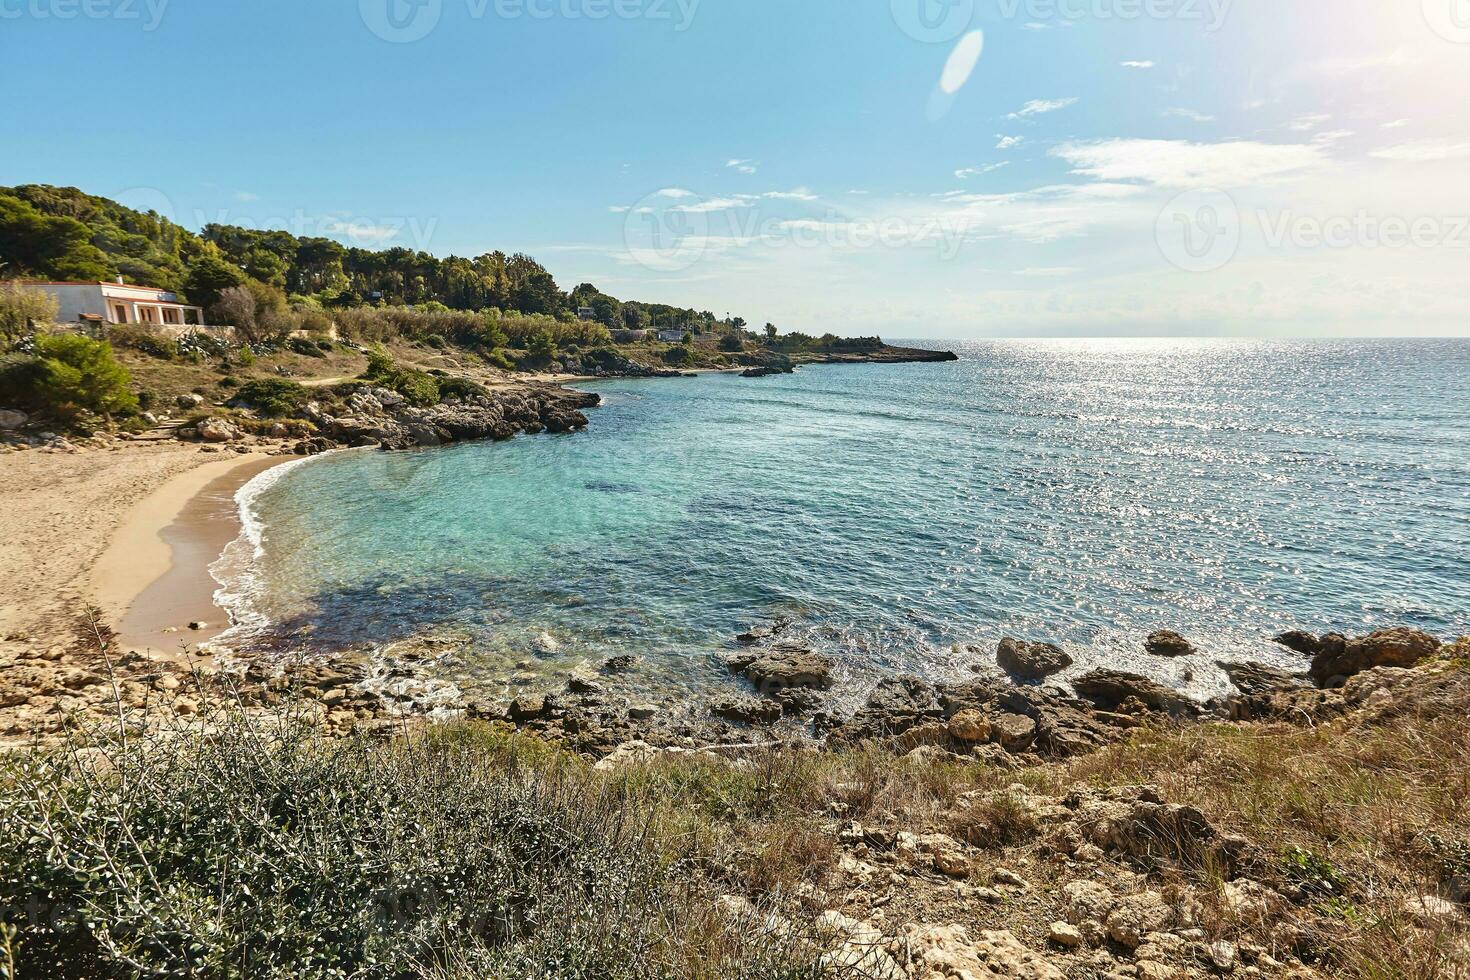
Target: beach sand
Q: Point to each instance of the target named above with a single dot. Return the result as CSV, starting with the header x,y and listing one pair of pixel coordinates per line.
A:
x,y
88,528
153,580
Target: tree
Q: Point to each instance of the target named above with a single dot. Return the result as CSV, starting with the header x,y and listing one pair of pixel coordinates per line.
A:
x,y
770,331
732,343
208,280
236,308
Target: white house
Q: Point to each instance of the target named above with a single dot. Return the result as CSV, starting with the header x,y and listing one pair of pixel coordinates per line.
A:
x,y
116,302
675,336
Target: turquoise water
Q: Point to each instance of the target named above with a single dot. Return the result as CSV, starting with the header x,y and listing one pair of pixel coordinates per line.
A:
x,y
1084,492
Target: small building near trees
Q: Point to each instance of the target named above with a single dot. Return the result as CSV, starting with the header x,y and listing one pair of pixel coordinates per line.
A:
x,y
92,303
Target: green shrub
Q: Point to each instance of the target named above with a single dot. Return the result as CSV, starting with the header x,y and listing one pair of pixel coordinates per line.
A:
x,y
75,374
143,339
273,397
307,348
236,853
678,355
460,388
421,389
21,310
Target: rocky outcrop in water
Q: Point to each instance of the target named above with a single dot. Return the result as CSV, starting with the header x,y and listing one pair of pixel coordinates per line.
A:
x,y
1030,661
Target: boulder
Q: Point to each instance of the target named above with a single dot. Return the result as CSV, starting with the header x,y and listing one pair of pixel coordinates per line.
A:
x,y
11,420
1111,689
782,667
1398,647
218,430
1167,643
746,710
1030,661
1014,732
970,726
1299,641
937,952
189,401
1259,687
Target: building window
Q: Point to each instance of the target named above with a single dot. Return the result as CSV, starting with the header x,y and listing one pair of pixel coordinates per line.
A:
x,y
170,315
120,313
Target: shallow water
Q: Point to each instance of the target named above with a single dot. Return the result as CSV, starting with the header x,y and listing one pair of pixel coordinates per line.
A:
x,y
1084,492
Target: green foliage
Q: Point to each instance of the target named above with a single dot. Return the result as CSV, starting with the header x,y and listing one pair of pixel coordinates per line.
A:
x,y
678,355
1313,873
732,343
421,389
418,387
233,853
460,388
307,348
489,302
78,374
143,338
21,310
541,346
273,397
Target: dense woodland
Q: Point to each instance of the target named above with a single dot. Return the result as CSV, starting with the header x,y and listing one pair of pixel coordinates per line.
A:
x,y
64,234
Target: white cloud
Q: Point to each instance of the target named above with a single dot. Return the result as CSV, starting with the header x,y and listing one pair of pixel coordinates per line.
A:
x,y
1307,123
619,209
1137,64
743,166
1396,124
1179,163
366,234
967,172
799,194
1009,142
675,192
713,204
1037,107
1424,151
1331,137
1189,114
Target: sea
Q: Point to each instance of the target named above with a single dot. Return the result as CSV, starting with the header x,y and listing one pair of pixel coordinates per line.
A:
x,y
903,517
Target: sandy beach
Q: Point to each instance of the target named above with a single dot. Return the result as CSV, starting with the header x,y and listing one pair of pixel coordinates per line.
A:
x,y
123,529
153,580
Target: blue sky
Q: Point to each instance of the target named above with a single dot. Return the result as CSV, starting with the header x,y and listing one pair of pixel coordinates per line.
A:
x,y
1108,167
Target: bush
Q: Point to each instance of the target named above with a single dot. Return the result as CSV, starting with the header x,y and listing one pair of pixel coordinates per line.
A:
x,y
460,388
272,397
421,389
71,374
235,853
678,355
21,310
143,339
307,348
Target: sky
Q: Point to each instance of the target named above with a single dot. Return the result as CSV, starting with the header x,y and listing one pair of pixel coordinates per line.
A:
x,y
912,168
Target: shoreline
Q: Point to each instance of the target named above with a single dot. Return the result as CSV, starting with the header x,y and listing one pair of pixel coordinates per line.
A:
x,y
153,578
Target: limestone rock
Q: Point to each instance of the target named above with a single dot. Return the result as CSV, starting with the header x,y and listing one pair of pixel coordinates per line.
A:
x,y
970,726
949,953
1110,689
1167,643
1030,661
218,430
11,420
1065,935
784,666
1398,647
